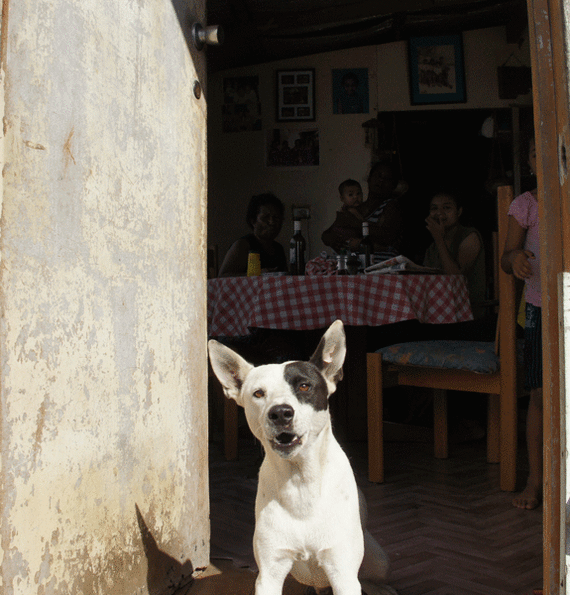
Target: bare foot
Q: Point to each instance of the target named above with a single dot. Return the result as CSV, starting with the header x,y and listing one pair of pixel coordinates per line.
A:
x,y
529,498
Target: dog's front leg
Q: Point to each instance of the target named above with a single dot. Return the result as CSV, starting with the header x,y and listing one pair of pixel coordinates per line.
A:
x,y
345,585
342,571
272,575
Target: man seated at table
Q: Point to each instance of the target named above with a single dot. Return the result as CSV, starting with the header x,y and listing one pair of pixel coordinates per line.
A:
x,y
265,217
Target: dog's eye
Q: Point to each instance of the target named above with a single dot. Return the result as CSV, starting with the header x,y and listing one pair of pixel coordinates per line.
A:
x,y
259,394
304,387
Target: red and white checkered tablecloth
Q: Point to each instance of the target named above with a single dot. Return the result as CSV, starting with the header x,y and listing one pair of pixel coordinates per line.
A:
x,y
236,304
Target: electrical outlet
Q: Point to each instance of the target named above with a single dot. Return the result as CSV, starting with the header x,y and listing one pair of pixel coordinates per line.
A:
x,y
301,212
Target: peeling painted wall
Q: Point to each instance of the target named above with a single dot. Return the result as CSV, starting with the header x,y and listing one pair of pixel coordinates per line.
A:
x,y
102,338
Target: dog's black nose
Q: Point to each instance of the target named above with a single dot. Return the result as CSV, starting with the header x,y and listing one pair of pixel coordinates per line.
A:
x,y
281,415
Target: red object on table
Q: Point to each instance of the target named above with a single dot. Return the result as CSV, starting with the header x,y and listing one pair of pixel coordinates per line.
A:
x,y
236,304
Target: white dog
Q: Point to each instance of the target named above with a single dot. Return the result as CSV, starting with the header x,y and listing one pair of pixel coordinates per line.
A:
x,y
310,519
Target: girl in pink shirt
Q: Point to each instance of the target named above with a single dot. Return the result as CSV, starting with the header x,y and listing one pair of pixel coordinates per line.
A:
x,y
521,257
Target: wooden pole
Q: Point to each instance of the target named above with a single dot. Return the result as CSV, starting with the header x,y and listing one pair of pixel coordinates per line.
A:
x,y
550,92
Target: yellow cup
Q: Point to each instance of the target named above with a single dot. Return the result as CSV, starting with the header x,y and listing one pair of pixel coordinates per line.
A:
x,y
253,265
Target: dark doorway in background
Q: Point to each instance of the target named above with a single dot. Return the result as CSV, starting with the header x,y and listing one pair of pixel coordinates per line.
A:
x,y
468,152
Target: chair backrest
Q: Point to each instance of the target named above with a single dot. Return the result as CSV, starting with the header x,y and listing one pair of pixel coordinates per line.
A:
x,y
506,326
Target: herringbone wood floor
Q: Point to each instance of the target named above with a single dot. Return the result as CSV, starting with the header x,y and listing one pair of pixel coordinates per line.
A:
x,y
446,526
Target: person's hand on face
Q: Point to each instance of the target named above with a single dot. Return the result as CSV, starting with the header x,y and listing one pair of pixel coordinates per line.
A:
x,y
443,215
434,226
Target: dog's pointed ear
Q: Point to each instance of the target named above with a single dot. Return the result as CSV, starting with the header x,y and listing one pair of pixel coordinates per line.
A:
x,y
230,368
330,353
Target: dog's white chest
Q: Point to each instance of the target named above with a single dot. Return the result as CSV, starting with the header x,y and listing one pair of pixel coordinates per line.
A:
x,y
308,542
308,525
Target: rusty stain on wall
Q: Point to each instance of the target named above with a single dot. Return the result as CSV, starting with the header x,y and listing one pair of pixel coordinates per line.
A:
x,y
103,388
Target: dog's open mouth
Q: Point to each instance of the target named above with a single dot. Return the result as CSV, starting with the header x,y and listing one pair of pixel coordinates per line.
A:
x,y
285,441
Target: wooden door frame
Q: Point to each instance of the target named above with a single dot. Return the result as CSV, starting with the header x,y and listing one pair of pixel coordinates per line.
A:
x,y
551,110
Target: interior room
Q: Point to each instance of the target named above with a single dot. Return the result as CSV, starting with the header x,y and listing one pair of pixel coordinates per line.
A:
x,y
438,519
238,159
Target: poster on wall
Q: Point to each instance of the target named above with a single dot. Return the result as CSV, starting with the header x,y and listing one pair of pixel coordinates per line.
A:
x,y
436,70
288,147
350,90
241,109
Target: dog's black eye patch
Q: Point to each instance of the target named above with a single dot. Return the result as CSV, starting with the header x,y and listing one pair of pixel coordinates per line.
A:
x,y
259,393
307,384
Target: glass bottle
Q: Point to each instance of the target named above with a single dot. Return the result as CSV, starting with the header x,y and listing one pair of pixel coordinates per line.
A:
x,y
366,245
353,263
341,264
297,248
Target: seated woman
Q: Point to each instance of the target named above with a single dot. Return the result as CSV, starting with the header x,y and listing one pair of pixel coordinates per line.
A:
x,y
456,250
382,211
265,217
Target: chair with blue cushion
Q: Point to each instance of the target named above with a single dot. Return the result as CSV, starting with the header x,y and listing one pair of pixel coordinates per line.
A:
x,y
467,366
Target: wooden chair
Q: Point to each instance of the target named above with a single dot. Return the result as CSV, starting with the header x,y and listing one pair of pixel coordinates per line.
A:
x,y
500,385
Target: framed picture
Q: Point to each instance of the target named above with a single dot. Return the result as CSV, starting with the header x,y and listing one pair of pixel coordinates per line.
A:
x,y
350,90
292,147
296,95
241,109
437,73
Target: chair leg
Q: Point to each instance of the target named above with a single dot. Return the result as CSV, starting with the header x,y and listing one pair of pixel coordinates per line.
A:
x,y
493,428
440,430
508,438
375,418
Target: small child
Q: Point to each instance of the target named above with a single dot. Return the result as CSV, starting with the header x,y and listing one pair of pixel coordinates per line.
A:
x,y
345,232
351,197
521,258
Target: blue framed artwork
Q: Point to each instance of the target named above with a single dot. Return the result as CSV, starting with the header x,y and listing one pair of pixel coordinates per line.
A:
x,y
350,90
437,73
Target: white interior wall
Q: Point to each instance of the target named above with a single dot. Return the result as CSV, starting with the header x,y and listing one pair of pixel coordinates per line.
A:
x,y
102,339
237,167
